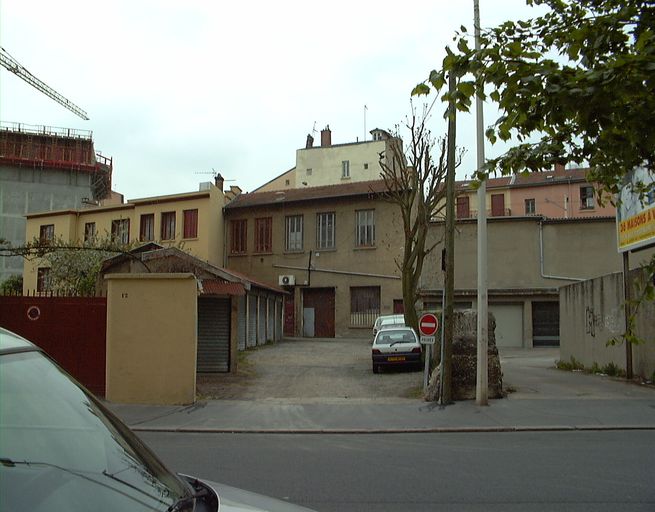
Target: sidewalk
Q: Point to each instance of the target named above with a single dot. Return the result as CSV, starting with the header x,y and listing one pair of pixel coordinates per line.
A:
x,y
545,399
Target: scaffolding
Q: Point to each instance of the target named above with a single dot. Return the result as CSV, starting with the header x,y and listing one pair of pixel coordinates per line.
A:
x,y
47,147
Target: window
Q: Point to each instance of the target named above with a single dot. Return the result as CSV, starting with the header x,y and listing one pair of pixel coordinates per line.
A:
x,y
365,221
190,223
463,208
168,226
264,235
286,182
586,197
365,166
120,230
364,305
345,169
325,230
47,233
89,232
293,230
147,229
42,279
530,206
238,236
309,172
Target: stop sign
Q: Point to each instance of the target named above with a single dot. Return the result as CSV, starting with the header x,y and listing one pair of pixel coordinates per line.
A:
x,y
428,324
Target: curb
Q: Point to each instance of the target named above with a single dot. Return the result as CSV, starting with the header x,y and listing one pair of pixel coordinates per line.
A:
x,y
435,430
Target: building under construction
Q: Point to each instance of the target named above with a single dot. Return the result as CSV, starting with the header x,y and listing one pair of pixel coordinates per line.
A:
x,y
41,169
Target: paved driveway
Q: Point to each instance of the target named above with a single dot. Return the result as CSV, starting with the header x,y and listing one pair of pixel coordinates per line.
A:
x,y
311,370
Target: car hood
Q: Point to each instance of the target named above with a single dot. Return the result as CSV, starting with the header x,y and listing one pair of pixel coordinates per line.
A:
x,y
233,499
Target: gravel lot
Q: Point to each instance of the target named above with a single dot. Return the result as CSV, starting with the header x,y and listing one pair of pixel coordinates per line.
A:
x,y
311,370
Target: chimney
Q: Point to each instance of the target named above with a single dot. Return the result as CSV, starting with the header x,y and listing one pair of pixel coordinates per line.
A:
x,y
559,169
218,181
310,141
326,137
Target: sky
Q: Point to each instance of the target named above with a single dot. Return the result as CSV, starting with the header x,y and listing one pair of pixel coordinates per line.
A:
x,y
178,89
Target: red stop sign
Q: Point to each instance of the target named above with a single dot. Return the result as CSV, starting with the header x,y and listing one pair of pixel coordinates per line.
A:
x,y
428,324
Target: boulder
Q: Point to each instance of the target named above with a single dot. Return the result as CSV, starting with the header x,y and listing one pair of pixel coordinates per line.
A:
x,y
465,359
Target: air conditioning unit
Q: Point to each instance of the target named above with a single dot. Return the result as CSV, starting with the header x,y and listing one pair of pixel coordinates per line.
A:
x,y
287,280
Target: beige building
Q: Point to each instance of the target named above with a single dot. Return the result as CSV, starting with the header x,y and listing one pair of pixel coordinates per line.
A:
x,y
529,259
333,247
334,164
191,221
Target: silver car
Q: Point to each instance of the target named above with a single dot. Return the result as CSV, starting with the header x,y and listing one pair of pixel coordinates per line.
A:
x,y
387,321
61,449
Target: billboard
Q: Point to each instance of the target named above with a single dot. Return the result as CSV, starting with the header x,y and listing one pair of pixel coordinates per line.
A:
x,y
635,215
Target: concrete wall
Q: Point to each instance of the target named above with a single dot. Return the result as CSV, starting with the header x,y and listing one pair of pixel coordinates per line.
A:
x,y
151,339
591,314
27,190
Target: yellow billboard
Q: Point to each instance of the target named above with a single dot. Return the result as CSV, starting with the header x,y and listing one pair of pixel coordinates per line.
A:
x,y
635,214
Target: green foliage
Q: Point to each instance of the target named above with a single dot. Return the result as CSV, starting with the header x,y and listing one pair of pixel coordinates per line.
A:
x,y
13,285
572,365
579,77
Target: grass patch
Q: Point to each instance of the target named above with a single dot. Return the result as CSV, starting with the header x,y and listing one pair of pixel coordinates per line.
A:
x,y
611,369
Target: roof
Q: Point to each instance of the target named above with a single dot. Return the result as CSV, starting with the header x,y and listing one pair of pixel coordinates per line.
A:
x,y
353,189
153,251
534,179
218,287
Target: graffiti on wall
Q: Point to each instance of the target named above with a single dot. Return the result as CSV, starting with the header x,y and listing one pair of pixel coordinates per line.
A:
x,y
612,322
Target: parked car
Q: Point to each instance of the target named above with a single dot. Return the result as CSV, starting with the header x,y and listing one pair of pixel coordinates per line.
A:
x,y
387,321
394,347
61,449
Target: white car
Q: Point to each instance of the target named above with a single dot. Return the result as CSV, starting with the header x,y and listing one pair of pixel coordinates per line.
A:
x,y
387,321
394,347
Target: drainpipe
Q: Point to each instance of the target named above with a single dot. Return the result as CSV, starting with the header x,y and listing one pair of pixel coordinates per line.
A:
x,y
541,257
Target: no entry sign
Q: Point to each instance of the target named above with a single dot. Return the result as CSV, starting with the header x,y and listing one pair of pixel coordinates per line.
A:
x,y
428,324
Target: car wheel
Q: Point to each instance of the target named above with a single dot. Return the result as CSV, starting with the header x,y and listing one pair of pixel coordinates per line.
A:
x,y
376,368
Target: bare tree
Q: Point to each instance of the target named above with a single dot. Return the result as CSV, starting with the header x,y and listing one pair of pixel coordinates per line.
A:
x,y
414,177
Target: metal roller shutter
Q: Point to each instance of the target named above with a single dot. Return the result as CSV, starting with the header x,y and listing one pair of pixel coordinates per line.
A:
x,y
241,323
261,325
278,320
270,311
213,335
252,320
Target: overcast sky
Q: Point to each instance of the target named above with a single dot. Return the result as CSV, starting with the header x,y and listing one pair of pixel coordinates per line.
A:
x,y
174,89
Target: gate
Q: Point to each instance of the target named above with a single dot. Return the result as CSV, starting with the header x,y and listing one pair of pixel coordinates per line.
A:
x,y
72,330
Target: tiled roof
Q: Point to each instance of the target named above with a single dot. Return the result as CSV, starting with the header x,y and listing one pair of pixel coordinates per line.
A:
x,y
357,188
534,179
218,287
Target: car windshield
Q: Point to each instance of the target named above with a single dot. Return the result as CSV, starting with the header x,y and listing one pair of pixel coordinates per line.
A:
x,y
59,450
389,336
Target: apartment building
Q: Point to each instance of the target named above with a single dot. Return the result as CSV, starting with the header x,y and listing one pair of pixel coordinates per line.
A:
x,y
190,221
335,248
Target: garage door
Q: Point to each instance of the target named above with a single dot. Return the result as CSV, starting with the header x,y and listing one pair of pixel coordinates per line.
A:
x,y
545,324
252,321
509,324
318,303
213,335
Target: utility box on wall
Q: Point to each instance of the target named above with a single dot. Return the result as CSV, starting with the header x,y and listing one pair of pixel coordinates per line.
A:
x,y
151,338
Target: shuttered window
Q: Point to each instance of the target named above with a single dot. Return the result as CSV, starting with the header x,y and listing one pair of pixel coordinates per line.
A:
x,y
365,222
238,236
120,231
264,235
168,226
147,228
191,223
325,224
293,230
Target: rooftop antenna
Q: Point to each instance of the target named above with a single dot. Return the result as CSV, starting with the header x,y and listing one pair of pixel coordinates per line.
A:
x,y
213,172
365,110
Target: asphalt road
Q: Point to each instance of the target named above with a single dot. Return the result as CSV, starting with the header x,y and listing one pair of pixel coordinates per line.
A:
x,y
563,471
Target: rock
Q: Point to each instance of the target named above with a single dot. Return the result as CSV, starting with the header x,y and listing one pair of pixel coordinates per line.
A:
x,y
465,360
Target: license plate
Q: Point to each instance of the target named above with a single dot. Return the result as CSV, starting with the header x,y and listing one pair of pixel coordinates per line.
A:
x,y
396,358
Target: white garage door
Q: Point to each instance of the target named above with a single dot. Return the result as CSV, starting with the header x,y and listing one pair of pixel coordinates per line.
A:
x,y
509,324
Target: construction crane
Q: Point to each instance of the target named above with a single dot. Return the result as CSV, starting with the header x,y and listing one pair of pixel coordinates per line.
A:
x,y
12,65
